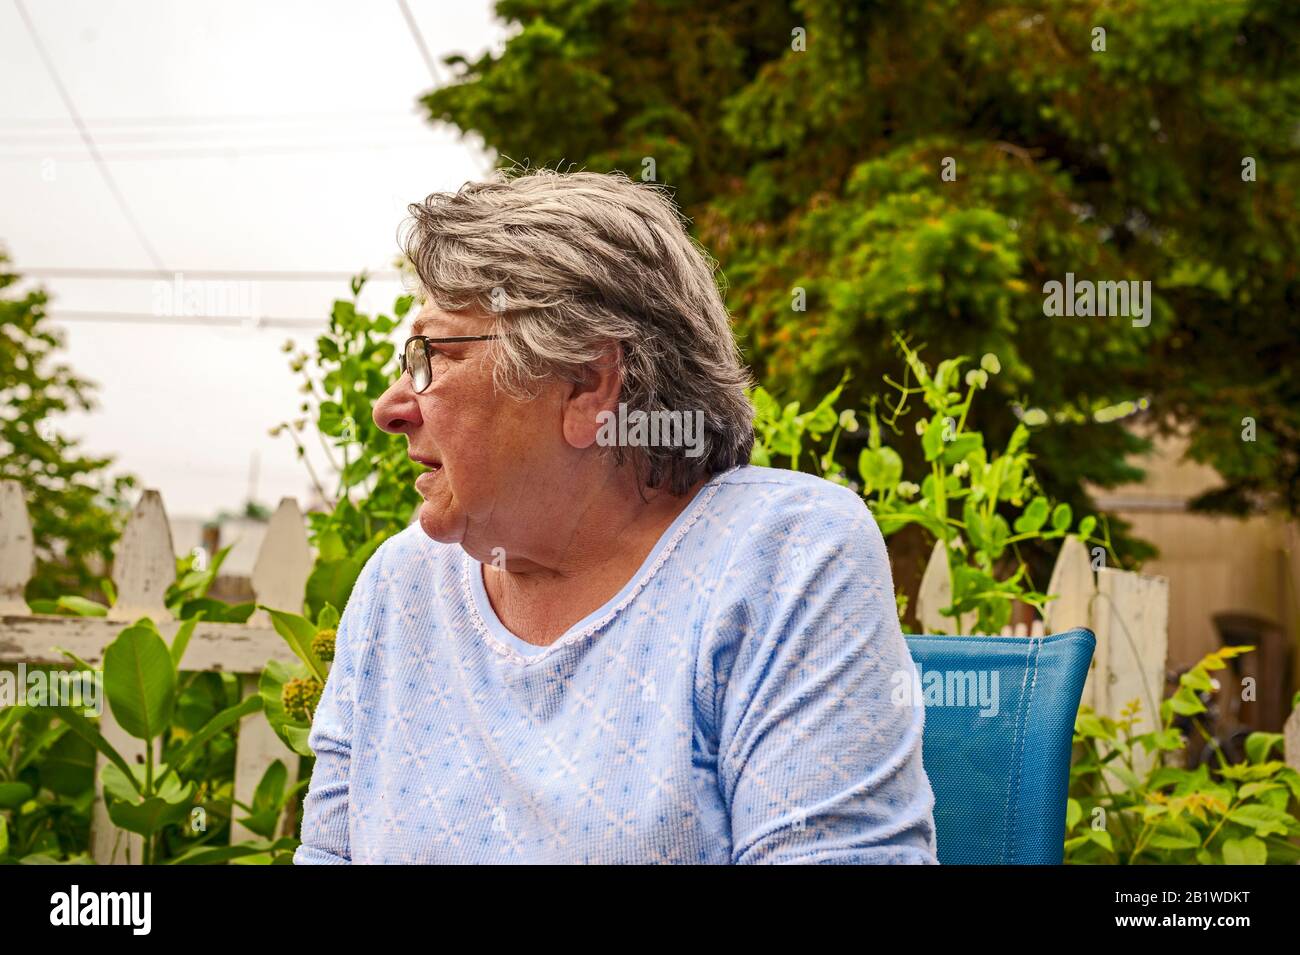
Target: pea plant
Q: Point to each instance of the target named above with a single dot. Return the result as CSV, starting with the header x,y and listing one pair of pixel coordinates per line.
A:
x,y
982,503
374,494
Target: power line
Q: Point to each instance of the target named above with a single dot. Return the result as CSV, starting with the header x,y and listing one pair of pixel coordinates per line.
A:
x,y
132,134
204,151
419,41
85,135
214,119
262,275
132,318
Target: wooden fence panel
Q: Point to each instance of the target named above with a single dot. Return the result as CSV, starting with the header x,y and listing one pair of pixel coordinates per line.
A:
x,y
1128,612
144,567
279,580
17,549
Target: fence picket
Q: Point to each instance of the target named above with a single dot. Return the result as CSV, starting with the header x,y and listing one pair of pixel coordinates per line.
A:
x,y
145,563
1291,739
144,567
279,580
17,550
1131,623
935,593
1075,589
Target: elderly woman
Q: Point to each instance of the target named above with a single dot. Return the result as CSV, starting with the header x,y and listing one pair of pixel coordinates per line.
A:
x,y
608,638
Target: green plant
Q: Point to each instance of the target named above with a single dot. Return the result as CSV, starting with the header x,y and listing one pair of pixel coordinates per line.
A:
x,y
46,787
1121,813
375,494
982,504
187,596
290,693
929,166
178,781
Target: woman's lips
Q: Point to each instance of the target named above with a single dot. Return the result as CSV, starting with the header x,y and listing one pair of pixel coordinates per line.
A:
x,y
425,480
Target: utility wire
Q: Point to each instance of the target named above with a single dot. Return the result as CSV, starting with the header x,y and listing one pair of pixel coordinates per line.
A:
x,y
206,151
132,318
86,137
419,41
212,119
287,275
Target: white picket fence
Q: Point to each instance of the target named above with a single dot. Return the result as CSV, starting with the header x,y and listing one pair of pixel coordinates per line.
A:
x,y
144,568
1128,612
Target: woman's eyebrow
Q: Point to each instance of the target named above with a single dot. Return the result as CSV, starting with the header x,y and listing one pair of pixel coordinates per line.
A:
x,y
421,326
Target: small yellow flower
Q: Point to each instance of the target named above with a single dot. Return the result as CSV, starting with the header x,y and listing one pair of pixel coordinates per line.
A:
x,y
301,697
323,644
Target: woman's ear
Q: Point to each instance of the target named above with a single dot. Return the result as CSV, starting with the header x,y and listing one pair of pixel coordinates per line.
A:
x,y
592,401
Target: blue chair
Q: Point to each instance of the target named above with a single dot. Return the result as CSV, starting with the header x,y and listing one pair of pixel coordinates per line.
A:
x,y
999,722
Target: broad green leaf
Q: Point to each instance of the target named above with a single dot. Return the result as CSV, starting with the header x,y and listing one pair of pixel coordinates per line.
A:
x,y
298,632
1247,851
1175,834
86,730
149,815
68,767
140,681
1034,516
182,639
328,618
880,469
1073,813
962,445
932,441
211,855
226,717
1062,515
1265,820
1102,838
13,795
271,786
1258,745
293,733
81,606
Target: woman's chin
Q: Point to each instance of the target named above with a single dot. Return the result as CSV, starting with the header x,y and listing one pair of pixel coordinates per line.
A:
x,y
439,523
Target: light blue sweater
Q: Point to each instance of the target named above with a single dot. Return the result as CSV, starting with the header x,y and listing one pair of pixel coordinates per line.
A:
x,y
731,704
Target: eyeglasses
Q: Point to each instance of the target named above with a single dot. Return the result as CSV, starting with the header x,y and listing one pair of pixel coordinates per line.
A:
x,y
415,357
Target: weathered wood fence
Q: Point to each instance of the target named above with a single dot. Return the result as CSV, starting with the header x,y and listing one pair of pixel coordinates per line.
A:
x,y
1128,612
145,566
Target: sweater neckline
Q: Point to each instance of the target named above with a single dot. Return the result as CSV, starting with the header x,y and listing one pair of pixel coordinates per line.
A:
x,y
520,651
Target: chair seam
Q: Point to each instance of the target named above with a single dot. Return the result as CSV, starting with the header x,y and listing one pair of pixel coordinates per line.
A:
x,y
1013,809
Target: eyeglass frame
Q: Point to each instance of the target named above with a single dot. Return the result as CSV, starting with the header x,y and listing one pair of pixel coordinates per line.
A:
x,y
447,340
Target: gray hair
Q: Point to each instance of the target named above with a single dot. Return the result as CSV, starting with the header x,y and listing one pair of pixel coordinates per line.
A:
x,y
570,262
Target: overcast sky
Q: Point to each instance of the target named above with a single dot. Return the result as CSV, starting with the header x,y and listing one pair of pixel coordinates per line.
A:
x,y
239,135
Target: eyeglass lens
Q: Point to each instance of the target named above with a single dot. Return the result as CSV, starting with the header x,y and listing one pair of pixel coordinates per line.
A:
x,y
417,362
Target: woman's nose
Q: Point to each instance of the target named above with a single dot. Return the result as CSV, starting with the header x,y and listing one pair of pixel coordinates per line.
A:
x,y
397,411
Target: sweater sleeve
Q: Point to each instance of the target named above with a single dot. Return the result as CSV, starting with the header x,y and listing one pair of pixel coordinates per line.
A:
x,y
325,835
816,763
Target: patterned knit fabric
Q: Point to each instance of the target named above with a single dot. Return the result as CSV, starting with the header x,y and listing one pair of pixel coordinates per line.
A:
x,y
731,704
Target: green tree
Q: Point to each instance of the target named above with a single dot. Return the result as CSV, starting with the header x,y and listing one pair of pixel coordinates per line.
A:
x,y
865,168
77,510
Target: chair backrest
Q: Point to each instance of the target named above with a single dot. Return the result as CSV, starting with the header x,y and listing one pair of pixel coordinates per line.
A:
x,y
999,725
